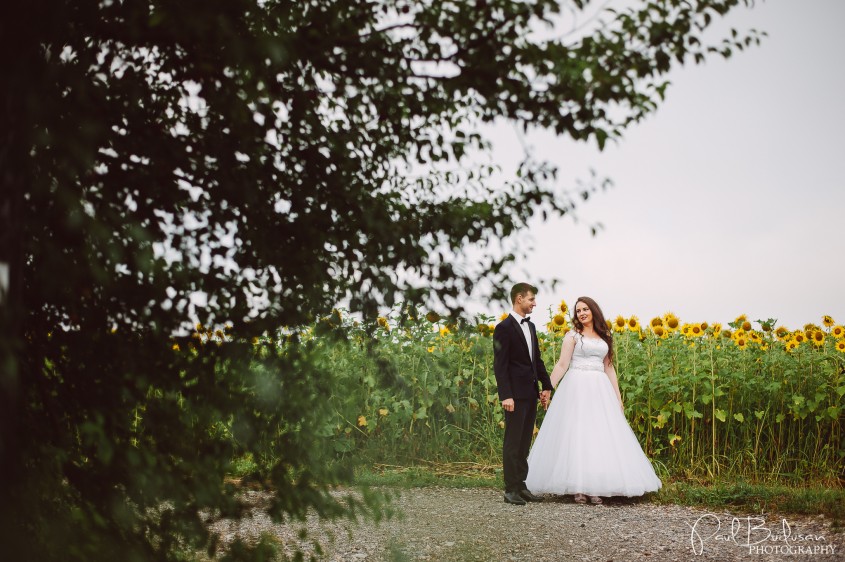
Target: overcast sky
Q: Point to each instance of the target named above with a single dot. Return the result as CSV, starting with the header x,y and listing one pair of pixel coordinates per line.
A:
x,y
728,200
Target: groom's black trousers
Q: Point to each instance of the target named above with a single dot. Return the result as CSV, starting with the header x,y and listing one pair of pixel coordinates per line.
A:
x,y
519,429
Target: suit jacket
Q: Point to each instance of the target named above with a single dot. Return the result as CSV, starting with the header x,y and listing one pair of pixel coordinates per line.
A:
x,y
516,374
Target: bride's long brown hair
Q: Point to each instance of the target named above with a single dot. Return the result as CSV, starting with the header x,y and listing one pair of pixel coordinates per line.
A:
x,y
599,323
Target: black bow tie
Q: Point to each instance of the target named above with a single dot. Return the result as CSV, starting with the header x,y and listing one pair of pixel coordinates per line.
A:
x,y
524,320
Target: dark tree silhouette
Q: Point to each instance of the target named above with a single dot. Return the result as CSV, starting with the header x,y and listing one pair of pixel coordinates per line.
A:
x,y
267,156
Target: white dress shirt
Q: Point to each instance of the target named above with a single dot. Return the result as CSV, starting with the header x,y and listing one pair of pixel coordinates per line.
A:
x,y
526,331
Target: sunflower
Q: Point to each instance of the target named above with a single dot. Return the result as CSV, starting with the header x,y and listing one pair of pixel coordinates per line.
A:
x,y
444,331
782,332
838,332
696,331
703,326
740,319
609,324
619,324
739,333
564,308
659,331
799,337
634,324
840,346
656,321
382,321
746,326
672,321
686,329
755,337
504,316
727,334
791,344
741,342
432,317
818,338
717,328
557,324
827,321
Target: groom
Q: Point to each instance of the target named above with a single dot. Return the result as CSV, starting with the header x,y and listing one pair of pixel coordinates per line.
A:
x,y
518,368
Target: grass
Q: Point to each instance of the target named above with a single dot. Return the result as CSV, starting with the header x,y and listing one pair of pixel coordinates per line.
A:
x,y
456,475
242,466
803,500
756,497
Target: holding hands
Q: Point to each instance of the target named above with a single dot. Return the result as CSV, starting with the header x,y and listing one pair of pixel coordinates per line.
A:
x,y
545,398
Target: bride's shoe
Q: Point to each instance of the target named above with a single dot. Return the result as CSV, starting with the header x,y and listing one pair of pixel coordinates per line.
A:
x,y
595,500
580,498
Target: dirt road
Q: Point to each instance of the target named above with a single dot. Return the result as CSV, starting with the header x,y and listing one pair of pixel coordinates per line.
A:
x,y
453,524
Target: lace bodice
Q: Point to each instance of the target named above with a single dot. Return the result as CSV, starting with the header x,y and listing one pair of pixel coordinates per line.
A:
x,y
589,353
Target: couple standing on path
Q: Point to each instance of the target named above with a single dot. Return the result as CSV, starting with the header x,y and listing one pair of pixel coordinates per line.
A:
x,y
585,446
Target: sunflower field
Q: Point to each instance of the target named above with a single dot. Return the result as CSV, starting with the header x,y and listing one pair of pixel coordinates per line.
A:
x,y
748,399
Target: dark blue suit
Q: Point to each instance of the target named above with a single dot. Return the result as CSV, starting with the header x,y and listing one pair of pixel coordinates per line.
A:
x,y
517,376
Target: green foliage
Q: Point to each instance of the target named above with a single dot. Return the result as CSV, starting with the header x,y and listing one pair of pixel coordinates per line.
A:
x,y
712,406
403,477
248,163
702,406
264,551
758,498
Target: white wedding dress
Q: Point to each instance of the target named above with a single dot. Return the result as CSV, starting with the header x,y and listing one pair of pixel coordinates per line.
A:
x,y
585,444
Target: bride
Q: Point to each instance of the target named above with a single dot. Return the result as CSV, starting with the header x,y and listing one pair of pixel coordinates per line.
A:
x,y
585,445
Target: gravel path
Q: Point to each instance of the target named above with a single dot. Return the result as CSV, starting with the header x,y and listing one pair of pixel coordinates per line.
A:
x,y
454,524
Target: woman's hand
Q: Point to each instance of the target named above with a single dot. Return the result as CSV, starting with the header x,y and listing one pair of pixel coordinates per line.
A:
x,y
545,398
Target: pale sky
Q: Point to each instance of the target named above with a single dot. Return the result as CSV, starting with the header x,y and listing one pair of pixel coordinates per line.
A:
x,y
728,200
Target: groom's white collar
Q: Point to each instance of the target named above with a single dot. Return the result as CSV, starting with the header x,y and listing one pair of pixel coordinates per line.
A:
x,y
516,316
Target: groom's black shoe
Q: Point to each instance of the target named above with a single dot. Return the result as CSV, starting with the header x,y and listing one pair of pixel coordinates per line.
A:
x,y
529,497
514,498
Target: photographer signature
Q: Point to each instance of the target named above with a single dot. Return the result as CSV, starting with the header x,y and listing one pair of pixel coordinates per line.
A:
x,y
744,531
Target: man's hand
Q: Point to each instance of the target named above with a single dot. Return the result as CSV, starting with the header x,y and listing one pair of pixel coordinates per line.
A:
x,y
545,398
507,404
